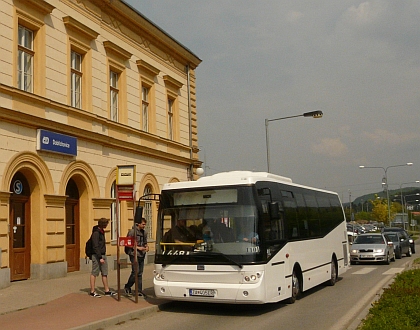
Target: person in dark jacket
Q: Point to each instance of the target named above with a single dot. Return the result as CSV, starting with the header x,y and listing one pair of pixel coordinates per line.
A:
x,y
142,247
99,262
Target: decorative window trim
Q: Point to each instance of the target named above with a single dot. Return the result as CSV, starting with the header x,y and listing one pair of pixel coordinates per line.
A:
x,y
112,48
78,42
145,126
36,25
79,28
42,7
147,79
122,90
29,21
172,82
147,68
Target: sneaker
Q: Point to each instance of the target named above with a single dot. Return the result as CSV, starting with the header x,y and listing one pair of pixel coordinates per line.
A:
x,y
110,293
127,291
95,295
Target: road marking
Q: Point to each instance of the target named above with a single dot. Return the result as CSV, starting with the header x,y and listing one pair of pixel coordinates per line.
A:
x,y
365,270
393,271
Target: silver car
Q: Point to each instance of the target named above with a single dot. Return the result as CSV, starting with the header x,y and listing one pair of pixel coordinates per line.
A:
x,y
372,247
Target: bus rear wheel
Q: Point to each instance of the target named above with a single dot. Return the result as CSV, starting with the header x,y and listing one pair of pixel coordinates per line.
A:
x,y
296,287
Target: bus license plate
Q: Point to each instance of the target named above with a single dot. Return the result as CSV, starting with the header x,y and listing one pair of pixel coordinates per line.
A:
x,y
202,292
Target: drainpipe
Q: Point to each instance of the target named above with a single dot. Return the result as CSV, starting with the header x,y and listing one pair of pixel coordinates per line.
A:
x,y
191,167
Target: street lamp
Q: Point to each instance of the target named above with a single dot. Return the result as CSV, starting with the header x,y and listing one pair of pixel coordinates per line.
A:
x,y
313,114
386,182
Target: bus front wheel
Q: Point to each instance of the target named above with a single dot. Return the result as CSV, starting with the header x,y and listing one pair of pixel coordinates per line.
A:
x,y
296,286
334,273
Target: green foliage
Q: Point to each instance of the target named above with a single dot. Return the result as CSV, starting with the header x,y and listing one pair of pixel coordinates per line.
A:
x,y
380,209
363,216
399,305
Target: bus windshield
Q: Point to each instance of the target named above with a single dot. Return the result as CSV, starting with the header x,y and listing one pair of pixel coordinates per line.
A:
x,y
212,224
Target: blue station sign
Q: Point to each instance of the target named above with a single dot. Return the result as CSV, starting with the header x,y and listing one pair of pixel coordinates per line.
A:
x,y
55,142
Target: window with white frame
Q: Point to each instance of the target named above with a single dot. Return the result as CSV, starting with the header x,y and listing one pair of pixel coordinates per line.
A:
x,y
25,59
113,84
145,108
76,80
147,211
170,118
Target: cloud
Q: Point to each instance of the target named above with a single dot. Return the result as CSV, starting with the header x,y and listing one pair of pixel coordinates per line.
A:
x,y
293,16
366,12
387,138
330,147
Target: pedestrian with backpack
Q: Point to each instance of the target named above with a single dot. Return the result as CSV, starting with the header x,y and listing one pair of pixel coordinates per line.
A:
x,y
141,242
99,261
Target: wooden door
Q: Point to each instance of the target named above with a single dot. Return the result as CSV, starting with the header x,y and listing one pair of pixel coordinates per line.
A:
x,y
72,235
20,238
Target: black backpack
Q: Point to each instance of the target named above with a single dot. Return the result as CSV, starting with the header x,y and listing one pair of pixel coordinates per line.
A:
x,y
89,248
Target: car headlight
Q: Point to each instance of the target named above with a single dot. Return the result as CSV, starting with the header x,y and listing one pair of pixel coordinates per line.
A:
x,y
354,251
378,250
411,241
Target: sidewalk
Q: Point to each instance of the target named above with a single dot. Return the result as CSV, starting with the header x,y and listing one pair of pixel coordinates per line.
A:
x,y
64,303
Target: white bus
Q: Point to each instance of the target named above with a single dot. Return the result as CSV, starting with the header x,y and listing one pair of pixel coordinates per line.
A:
x,y
247,238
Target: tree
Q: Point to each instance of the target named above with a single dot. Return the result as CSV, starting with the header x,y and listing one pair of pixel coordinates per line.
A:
x,y
380,209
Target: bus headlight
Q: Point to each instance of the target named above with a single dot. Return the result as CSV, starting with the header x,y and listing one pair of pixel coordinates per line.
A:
x,y
252,277
159,277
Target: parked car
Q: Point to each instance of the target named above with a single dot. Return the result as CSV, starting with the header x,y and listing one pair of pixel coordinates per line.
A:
x,y
401,244
372,247
404,232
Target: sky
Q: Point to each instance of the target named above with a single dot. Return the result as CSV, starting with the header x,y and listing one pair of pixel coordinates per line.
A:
x,y
356,61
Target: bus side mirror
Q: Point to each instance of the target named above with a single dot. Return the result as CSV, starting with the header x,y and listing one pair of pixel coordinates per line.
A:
x,y
274,210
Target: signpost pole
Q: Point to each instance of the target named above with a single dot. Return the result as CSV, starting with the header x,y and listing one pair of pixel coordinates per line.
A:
x,y
126,180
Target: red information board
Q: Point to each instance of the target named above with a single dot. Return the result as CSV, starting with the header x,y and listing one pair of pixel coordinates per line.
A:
x,y
126,241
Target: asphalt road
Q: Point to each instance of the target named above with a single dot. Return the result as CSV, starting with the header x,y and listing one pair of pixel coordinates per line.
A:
x,y
340,307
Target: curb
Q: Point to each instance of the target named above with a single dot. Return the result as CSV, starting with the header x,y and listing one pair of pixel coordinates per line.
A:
x,y
361,313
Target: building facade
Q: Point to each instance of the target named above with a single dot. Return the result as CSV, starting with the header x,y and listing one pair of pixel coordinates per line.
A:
x,y
86,86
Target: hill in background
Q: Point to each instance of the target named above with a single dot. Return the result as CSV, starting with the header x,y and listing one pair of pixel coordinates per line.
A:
x,y
394,194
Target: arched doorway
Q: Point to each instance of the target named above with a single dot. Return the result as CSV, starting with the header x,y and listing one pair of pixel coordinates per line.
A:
x,y
20,228
72,227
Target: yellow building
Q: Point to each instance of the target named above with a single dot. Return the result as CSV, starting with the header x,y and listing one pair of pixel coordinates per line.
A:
x,y
85,86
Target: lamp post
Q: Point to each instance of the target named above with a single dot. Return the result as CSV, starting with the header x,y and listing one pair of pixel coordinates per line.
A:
x,y
386,182
313,114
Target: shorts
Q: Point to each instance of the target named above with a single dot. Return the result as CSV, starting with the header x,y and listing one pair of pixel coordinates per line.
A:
x,y
97,266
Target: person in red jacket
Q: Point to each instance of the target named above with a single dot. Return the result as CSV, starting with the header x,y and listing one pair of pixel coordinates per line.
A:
x,y
99,262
